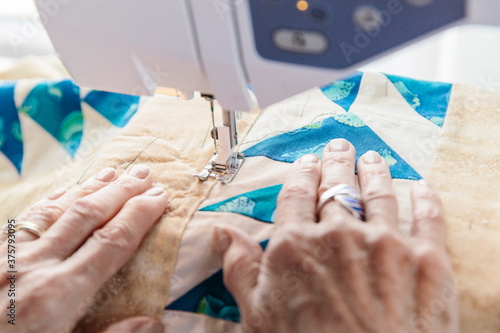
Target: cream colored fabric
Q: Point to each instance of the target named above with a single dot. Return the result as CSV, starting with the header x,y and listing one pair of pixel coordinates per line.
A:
x,y
466,170
48,67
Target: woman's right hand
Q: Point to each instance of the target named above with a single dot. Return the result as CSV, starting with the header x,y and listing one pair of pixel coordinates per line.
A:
x,y
328,271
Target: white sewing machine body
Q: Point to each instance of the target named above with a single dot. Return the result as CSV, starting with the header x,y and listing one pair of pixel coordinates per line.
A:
x,y
220,47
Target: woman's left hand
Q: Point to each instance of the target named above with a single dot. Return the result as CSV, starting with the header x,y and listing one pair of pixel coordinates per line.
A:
x,y
91,232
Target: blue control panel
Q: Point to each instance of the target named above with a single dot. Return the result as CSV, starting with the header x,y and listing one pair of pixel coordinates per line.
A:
x,y
340,33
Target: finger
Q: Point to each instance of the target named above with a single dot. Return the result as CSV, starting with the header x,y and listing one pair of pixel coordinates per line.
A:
x,y
299,195
338,167
136,325
47,211
377,194
91,212
241,258
111,246
429,222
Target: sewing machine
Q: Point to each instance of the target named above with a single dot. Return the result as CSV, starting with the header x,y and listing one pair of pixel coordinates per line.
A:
x,y
220,47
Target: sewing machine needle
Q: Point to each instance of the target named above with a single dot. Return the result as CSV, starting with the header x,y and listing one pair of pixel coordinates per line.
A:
x,y
214,134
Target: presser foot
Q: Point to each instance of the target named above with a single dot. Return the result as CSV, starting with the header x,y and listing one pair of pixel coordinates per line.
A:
x,y
223,173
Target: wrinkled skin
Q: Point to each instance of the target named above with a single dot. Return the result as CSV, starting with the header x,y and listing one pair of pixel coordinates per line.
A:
x,y
329,272
92,231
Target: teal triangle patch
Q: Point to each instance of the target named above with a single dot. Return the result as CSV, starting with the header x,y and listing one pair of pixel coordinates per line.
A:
x,y
259,204
56,107
117,108
429,99
11,140
289,147
343,92
210,298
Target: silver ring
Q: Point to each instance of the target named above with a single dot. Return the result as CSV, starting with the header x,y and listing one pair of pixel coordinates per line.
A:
x,y
346,197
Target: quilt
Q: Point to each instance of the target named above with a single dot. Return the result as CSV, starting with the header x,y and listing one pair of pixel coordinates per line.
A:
x,y
442,132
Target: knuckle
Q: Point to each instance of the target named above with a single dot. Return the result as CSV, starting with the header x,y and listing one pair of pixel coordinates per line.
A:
x,y
128,184
295,190
428,193
287,245
306,170
117,236
335,160
26,213
52,211
292,232
431,262
86,209
234,263
386,240
237,267
140,205
376,193
372,174
29,212
86,189
426,213
51,241
428,255
335,234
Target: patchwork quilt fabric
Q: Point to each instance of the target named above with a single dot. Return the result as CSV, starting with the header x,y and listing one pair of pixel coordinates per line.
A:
x,y
45,124
398,117
53,134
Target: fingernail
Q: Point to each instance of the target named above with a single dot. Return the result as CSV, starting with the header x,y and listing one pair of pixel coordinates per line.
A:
x,y
150,327
155,191
140,171
106,175
309,158
338,145
221,240
372,157
57,193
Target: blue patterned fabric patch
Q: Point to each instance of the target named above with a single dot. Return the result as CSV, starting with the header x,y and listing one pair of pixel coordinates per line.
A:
x,y
210,298
259,204
56,107
11,140
116,108
430,99
344,92
291,146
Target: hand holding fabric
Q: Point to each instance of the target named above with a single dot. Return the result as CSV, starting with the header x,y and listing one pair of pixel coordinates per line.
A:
x,y
327,271
91,232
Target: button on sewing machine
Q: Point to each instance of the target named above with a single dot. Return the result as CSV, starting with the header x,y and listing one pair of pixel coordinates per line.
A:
x,y
367,18
319,13
299,41
419,3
